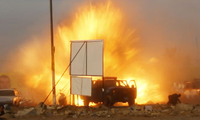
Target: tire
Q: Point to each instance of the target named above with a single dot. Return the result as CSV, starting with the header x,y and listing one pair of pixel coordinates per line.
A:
x,y
108,101
131,102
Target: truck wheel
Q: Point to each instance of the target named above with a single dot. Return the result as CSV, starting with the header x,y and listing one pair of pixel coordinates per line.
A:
x,y
131,102
86,102
108,101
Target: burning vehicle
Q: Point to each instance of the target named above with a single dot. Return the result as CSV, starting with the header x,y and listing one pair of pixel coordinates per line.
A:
x,y
114,91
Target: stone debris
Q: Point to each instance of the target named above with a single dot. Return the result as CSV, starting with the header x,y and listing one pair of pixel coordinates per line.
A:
x,y
6,116
183,106
166,111
148,108
155,114
25,111
139,107
40,108
155,110
196,108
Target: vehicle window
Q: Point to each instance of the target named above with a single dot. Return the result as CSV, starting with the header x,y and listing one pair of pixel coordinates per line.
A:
x,y
7,93
123,83
132,83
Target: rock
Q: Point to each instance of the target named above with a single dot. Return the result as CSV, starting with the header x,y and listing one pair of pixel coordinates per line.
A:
x,y
103,107
195,113
132,108
13,109
51,107
181,112
113,111
164,106
6,116
80,111
105,111
99,113
138,113
166,111
125,112
148,108
108,116
55,112
174,113
157,108
182,106
155,114
40,108
69,112
139,107
83,113
196,108
172,107
25,112
75,116
48,112
8,108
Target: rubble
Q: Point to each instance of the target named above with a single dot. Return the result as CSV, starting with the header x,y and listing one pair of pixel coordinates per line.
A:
x,y
155,110
6,116
40,108
183,106
148,108
153,114
25,112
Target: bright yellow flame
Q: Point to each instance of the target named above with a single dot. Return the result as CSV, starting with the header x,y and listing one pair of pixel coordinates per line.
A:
x,y
104,21
101,21
148,92
78,100
92,104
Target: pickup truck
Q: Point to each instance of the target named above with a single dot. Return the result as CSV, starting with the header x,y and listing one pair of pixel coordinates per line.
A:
x,y
114,91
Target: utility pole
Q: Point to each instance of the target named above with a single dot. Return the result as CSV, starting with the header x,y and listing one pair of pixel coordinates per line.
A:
x,y
52,55
197,47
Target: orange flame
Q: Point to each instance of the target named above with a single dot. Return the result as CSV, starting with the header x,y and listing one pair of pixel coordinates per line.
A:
x,y
101,21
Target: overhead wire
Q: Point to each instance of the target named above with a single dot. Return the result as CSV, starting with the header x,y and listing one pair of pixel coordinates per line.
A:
x,y
64,71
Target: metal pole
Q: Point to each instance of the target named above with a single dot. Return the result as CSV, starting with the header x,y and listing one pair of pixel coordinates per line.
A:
x,y
52,55
103,85
197,48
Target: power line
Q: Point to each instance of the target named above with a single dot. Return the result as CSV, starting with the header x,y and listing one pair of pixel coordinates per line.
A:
x,y
64,71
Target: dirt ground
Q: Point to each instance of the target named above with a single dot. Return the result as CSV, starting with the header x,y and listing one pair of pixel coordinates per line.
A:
x,y
182,117
181,111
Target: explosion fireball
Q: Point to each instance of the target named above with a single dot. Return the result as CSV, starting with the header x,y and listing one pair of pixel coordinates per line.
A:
x,y
121,49
104,21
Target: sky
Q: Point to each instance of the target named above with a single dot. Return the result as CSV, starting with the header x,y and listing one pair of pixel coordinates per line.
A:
x,y
22,19
168,33
160,24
